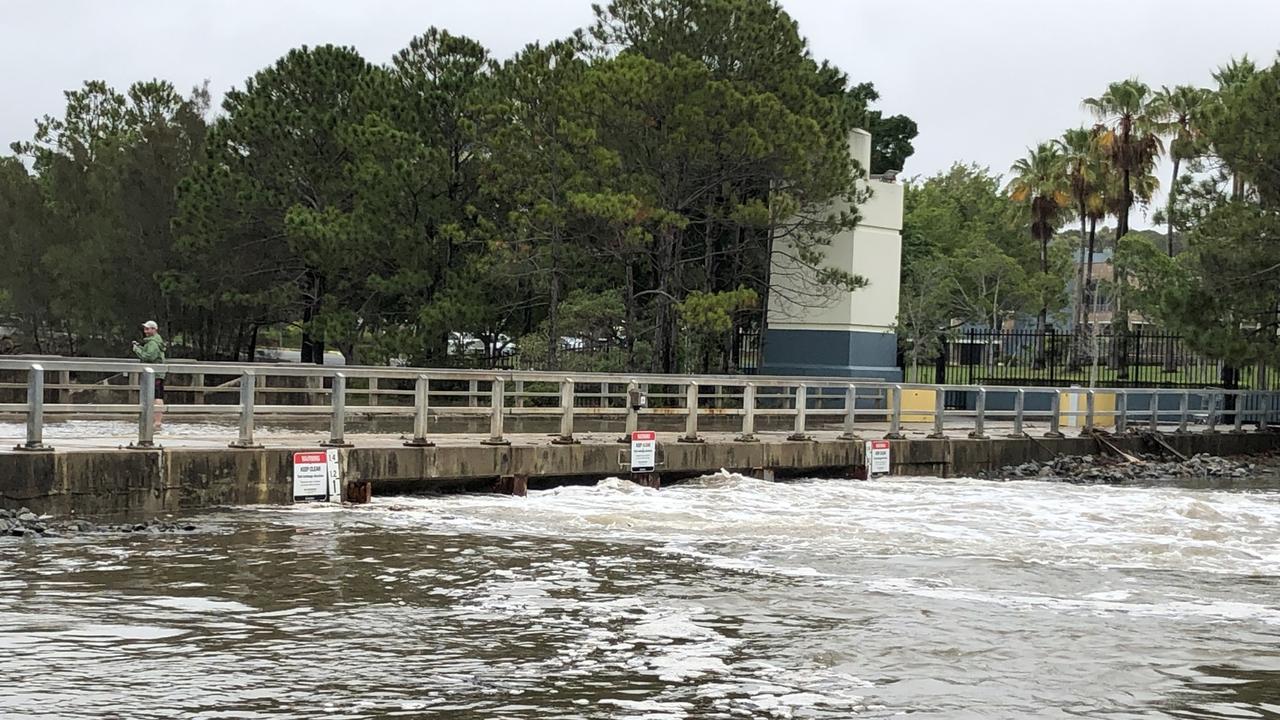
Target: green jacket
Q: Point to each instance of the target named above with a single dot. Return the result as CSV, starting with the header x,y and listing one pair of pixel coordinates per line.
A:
x,y
151,351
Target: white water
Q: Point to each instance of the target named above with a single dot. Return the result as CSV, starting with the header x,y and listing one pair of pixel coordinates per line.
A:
x,y
727,597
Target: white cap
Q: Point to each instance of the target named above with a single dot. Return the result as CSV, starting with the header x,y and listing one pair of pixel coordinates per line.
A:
x,y
150,325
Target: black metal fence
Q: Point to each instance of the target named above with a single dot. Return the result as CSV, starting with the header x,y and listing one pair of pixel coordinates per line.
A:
x,y
1140,357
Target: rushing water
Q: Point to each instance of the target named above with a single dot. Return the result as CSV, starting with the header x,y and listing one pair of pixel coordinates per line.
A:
x,y
723,598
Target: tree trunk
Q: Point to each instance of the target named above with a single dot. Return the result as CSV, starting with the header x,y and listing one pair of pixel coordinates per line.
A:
x,y
1077,311
1173,185
664,315
630,302
553,310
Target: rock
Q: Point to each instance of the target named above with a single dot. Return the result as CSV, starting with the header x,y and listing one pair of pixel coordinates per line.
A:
x,y
28,517
17,531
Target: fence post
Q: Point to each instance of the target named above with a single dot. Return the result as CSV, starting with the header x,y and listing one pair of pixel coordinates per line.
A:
x,y
1155,410
633,412
497,398
748,433
939,413
1211,401
338,413
1122,411
566,414
473,387
1264,409
64,379
1019,413
1184,410
691,414
972,353
247,387
895,415
802,407
980,418
421,410
850,413
1088,413
1055,416
1242,406
35,411
146,410
373,391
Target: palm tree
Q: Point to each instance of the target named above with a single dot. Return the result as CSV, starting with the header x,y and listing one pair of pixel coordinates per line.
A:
x,y
1040,182
1181,107
1083,172
1231,76
1128,126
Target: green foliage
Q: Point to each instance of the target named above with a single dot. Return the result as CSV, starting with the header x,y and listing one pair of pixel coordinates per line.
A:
x,y
1224,292
658,161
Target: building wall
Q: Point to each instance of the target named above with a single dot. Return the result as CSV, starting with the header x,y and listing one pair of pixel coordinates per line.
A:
x,y
816,331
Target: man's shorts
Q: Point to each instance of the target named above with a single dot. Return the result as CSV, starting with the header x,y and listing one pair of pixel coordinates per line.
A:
x,y
159,389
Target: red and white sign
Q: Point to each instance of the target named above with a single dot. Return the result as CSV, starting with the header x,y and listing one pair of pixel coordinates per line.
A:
x,y
310,476
644,451
877,457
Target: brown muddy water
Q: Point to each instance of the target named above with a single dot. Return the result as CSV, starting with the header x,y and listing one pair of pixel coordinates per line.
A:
x,y
727,597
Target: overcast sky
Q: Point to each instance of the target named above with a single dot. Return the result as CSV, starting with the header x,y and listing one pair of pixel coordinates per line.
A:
x,y
983,78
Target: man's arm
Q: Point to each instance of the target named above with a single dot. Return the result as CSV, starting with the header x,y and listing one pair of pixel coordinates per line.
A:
x,y
149,352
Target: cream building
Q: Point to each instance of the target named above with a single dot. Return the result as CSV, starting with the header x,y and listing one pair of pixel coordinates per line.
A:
x,y
842,334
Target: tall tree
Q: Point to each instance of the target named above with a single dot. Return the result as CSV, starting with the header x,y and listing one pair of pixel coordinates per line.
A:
x,y
1129,124
276,159
1085,176
1040,183
1181,108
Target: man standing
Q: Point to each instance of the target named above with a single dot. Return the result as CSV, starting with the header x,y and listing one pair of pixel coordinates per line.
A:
x,y
151,352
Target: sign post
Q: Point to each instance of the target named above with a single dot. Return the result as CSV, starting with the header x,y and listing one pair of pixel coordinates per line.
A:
x,y
317,475
877,457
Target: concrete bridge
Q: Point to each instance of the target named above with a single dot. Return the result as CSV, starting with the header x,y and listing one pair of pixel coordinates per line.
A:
x,y
80,436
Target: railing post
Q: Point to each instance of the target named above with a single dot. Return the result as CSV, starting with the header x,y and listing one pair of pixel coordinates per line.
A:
x,y
64,379
197,380
496,410
1184,410
939,413
421,410
850,413
146,410
748,433
338,413
1154,420
1089,405
248,382
633,412
1264,409
691,414
566,414
1055,416
895,415
1211,401
35,411
1019,413
980,417
473,388
802,407
1242,404
1122,411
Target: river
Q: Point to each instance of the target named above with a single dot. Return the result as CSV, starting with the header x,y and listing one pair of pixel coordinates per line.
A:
x,y
727,597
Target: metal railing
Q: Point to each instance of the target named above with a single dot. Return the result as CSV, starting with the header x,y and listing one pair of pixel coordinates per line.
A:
x,y
570,404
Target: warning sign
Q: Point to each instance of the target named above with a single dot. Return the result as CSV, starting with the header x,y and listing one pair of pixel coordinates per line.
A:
x,y
644,451
311,476
877,457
